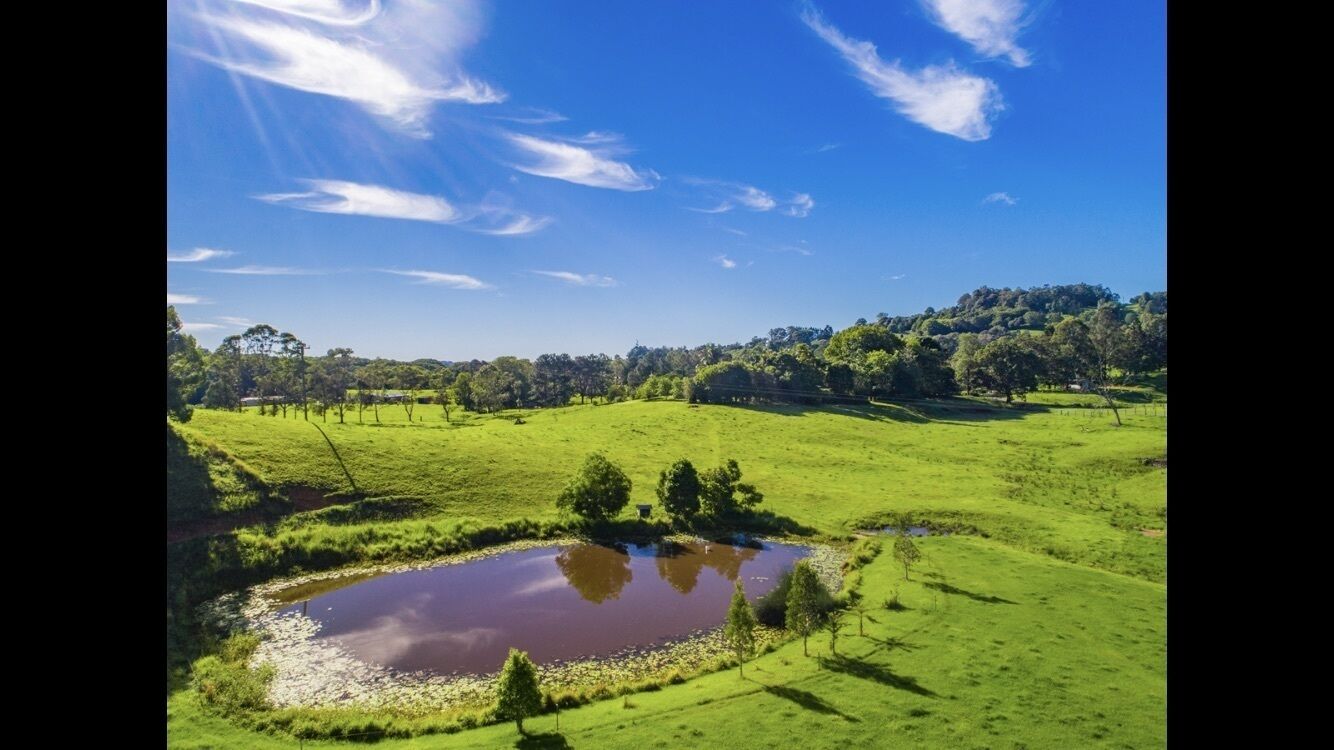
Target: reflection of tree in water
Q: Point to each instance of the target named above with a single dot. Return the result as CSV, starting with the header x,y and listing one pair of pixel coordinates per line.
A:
x,y
727,559
598,573
679,565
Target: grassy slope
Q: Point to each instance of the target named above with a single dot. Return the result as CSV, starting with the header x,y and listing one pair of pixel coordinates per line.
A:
x,y
1073,486
1076,659
1013,650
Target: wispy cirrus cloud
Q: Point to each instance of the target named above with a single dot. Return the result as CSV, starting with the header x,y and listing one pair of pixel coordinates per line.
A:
x,y
358,199
724,261
940,97
188,327
395,62
232,320
449,280
199,255
1000,198
800,206
990,26
896,277
826,147
268,271
583,160
586,279
185,299
533,116
731,195
331,12
797,249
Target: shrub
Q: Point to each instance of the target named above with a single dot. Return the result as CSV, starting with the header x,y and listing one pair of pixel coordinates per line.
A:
x,y
892,603
231,687
771,609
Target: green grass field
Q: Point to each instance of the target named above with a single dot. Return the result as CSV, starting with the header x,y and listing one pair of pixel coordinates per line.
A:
x,y
1045,628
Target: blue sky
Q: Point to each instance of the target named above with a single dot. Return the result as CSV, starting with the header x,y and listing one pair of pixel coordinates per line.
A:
x,y
471,179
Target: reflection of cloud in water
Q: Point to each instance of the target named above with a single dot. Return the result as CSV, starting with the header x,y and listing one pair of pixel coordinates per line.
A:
x,y
539,560
549,583
389,639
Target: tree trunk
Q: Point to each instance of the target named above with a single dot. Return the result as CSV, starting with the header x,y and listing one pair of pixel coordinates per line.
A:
x,y
804,652
1111,403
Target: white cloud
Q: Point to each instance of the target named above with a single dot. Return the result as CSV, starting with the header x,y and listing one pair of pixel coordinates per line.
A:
x,y
185,299
828,147
588,279
450,280
329,12
523,224
582,166
724,261
267,271
990,26
199,254
733,194
340,197
940,97
352,198
737,232
896,277
232,320
395,64
800,206
533,116
1000,198
188,327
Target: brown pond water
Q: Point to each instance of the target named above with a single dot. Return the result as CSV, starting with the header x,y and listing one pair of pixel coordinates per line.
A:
x,y
556,603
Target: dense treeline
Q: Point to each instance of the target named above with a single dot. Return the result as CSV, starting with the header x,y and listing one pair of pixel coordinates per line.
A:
x,y
1002,341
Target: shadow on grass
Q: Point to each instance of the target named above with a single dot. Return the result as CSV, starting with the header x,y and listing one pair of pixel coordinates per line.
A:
x,y
917,411
948,589
544,741
892,643
876,673
337,458
807,700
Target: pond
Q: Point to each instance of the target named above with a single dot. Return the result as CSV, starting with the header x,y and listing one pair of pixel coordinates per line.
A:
x,y
559,603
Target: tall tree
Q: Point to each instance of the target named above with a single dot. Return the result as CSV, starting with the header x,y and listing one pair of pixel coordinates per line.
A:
x,y
518,693
374,377
224,375
1009,365
964,362
803,602
185,367
553,379
739,632
291,378
1107,335
258,344
861,339
678,490
411,379
598,491
342,378
718,488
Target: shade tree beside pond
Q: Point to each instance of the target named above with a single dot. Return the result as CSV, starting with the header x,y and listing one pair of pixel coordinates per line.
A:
x,y
517,693
599,490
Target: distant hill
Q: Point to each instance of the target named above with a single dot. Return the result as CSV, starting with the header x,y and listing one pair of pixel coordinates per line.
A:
x,y
998,311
